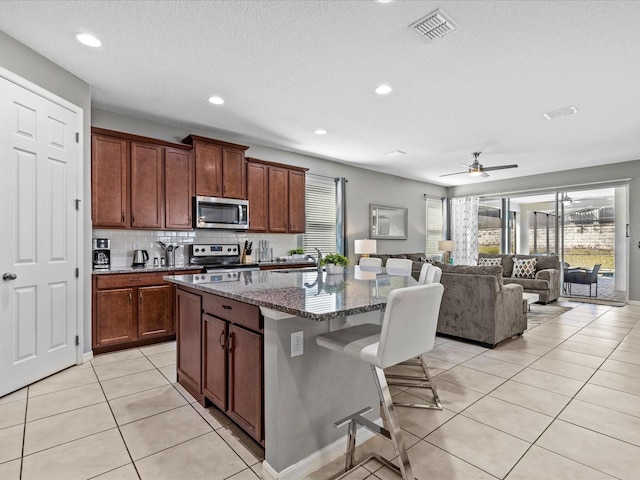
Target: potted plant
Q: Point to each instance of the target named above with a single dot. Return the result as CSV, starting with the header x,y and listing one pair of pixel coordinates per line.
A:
x,y
296,253
334,263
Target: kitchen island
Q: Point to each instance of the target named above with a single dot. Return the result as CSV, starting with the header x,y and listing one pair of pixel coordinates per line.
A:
x,y
304,388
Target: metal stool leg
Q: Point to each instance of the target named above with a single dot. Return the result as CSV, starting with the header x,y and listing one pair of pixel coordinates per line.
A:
x,y
394,424
420,382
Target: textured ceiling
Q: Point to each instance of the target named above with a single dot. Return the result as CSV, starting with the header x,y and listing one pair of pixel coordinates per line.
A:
x,y
286,68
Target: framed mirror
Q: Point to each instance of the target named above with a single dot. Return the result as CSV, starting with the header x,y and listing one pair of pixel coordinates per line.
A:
x,y
388,223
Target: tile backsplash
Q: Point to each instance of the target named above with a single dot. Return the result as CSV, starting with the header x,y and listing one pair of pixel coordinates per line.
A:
x,y
124,242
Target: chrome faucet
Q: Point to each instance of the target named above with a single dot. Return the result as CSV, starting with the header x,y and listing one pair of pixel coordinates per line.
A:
x,y
316,260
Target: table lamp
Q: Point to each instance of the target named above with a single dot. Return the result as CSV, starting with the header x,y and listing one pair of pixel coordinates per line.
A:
x,y
364,247
445,246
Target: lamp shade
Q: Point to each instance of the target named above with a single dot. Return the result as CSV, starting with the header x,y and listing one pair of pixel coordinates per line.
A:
x,y
364,246
445,245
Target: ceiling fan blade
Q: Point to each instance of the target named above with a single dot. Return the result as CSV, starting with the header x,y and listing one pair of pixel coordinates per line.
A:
x,y
499,167
449,174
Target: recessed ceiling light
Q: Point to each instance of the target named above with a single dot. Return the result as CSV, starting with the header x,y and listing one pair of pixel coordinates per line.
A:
x,y
397,153
383,89
320,131
562,112
88,40
216,100
384,1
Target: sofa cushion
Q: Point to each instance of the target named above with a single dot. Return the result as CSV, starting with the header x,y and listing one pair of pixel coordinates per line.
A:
x,y
489,261
496,271
524,268
507,262
528,283
416,257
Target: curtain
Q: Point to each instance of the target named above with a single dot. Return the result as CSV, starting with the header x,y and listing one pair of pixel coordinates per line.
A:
x,y
464,219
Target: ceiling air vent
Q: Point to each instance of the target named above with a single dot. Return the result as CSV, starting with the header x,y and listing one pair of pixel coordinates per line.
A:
x,y
435,25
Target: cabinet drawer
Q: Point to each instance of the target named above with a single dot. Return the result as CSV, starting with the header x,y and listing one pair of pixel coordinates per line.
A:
x,y
232,311
129,280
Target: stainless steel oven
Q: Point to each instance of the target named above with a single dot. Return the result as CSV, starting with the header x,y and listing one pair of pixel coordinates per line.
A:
x,y
221,263
224,213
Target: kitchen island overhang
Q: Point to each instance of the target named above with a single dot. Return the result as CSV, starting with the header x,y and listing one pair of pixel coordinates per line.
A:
x,y
304,395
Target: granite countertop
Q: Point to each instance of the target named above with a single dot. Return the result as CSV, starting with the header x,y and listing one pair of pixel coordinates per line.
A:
x,y
285,263
304,294
129,269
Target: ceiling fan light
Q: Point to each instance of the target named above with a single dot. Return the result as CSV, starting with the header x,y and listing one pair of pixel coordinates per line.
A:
x,y
475,173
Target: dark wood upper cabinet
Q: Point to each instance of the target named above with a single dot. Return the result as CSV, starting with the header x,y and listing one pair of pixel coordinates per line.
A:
x,y
296,201
276,194
140,182
178,188
219,167
278,199
109,174
233,174
257,194
208,169
147,205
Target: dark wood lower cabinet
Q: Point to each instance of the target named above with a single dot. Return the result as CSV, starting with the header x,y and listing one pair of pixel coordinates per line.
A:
x,y
220,360
155,311
214,364
245,379
189,342
116,309
132,309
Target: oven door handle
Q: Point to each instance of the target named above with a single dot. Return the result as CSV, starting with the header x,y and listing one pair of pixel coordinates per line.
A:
x,y
240,215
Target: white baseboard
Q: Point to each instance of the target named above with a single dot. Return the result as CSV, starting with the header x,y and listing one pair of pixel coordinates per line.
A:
x,y
633,302
87,357
316,460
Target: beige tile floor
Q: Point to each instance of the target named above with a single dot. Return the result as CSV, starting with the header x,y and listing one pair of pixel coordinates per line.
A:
x,y
561,402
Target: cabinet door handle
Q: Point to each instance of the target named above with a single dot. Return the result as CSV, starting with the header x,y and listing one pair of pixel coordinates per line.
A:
x,y
122,217
220,341
133,218
129,298
140,295
230,342
227,307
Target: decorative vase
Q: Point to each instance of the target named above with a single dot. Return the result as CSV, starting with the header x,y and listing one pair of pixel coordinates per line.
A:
x,y
333,269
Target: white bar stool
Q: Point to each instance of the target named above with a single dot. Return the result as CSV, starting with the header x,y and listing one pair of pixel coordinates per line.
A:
x,y
399,264
370,262
428,274
408,330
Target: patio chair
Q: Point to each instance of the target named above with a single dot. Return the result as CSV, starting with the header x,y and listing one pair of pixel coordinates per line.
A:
x,y
583,277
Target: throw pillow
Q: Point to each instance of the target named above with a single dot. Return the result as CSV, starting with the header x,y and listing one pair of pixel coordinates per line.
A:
x,y
524,268
490,261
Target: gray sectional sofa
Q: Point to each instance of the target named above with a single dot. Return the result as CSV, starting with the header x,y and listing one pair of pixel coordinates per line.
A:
x,y
478,305
547,276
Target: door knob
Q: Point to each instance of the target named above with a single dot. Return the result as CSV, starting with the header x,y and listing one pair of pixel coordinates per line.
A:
x,y
9,276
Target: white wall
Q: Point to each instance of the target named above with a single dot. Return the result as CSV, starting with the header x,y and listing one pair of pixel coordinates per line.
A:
x,y
605,173
28,64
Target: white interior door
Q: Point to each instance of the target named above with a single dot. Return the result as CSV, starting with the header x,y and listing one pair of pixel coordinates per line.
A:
x,y
39,156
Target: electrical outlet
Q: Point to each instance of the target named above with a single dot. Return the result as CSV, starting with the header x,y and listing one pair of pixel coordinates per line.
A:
x,y
297,344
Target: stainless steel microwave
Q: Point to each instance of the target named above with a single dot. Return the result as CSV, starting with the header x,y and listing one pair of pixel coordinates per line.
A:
x,y
225,213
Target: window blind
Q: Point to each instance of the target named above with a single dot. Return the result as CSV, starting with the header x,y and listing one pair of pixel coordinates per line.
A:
x,y
320,215
433,224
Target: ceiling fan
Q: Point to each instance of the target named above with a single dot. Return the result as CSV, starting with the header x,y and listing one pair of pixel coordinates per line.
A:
x,y
477,170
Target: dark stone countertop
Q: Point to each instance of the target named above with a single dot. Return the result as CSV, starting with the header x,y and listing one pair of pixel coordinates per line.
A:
x,y
304,294
130,269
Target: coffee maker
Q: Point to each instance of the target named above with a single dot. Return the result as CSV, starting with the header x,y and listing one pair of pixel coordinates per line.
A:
x,y
101,254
